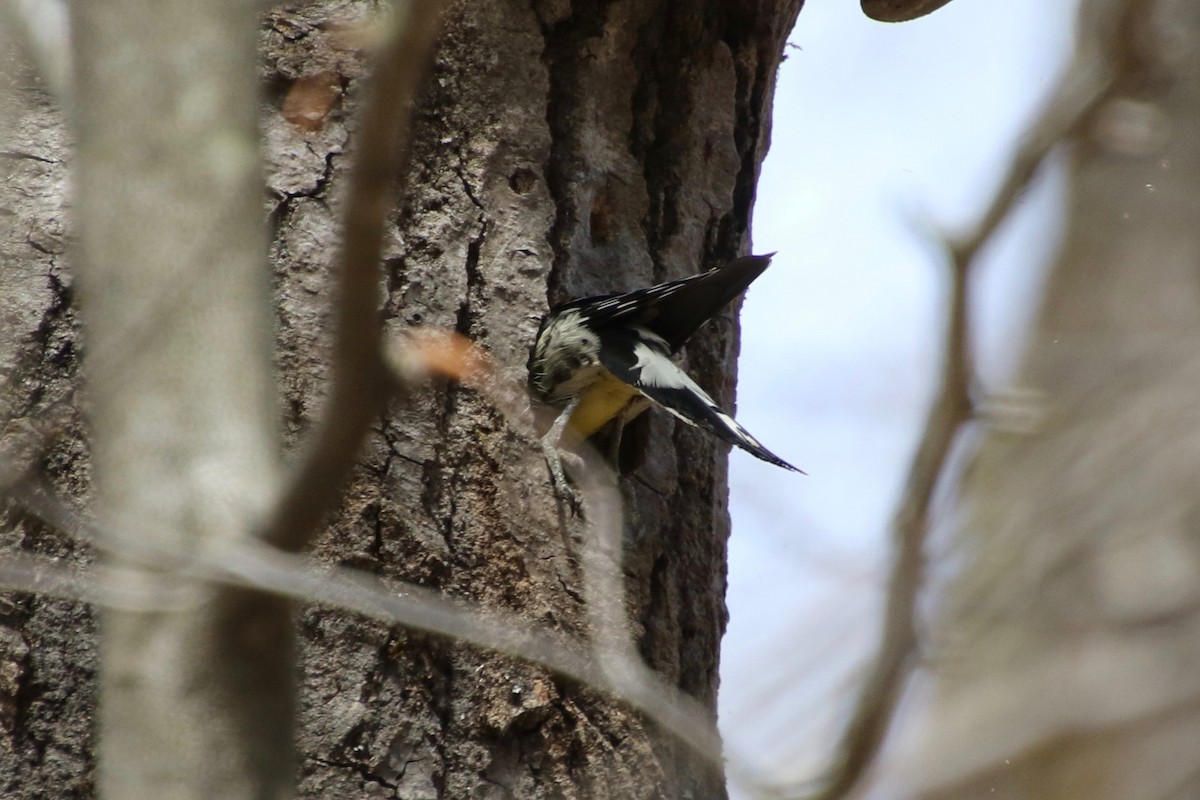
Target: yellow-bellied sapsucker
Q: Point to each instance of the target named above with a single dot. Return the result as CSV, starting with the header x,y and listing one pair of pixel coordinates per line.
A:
x,y
609,357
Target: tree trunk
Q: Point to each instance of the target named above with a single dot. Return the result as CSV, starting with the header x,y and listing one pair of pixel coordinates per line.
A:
x,y
561,150
1062,660
47,645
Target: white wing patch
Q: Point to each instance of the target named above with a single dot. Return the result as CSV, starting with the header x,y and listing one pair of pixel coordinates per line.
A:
x,y
732,424
654,366
656,370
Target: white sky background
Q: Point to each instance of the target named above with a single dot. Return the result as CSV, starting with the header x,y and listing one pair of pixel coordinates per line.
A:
x,y
878,128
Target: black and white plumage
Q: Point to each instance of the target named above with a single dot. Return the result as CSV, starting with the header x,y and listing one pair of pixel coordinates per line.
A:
x,y
608,357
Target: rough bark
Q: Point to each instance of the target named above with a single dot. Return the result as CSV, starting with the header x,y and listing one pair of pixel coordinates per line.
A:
x,y
1060,656
47,646
591,148
562,149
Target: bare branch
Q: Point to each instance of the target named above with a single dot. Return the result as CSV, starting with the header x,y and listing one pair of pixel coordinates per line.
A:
x,y
100,585
951,409
1083,87
1080,91
361,383
250,564
183,445
618,664
413,606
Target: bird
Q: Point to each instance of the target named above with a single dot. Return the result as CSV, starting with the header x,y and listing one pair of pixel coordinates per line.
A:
x,y
608,358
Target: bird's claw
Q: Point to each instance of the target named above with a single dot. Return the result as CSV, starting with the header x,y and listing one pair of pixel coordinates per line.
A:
x,y
571,498
555,459
555,456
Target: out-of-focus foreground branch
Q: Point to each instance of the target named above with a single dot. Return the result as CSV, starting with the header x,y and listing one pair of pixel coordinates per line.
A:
x,y
1085,84
194,701
1052,666
198,701
611,664
41,30
1079,603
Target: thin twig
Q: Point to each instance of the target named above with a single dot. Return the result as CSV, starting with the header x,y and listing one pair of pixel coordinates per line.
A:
x,y
361,383
951,409
1082,88
615,651
417,607
251,564
97,584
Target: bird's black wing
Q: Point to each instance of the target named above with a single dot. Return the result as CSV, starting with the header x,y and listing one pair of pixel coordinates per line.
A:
x,y
674,310
676,318
644,363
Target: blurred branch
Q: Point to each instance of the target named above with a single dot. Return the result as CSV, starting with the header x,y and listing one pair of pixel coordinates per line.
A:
x,y
618,673
613,664
616,655
186,703
951,409
603,582
1085,84
41,27
99,584
362,384
251,564
618,664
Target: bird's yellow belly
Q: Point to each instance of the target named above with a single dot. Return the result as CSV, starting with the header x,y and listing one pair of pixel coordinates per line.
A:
x,y
602,401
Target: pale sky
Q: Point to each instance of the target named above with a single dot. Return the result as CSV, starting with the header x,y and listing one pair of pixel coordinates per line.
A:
x,y
879,130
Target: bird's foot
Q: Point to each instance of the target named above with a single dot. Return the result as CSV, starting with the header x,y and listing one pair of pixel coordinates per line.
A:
x,y
555,460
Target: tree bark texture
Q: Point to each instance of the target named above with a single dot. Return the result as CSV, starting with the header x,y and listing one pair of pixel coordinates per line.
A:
x,y
1061,657
48,646
561,149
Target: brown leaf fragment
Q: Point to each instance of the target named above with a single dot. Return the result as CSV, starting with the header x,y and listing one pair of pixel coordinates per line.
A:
x,y
310,99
